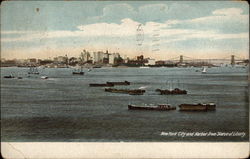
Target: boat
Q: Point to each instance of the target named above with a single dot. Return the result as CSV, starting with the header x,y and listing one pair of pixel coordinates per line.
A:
x,y
33,70
113,90
204,70
126,91
175,91
101,85
136,92
97,66
119,83
78,72
44,77
159,107
19,77
9,76
197,107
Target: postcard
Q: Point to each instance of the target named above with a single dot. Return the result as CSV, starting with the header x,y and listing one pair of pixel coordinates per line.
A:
x,y
124,79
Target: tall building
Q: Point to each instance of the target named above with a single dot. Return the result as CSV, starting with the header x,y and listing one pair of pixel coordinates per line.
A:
x,y
98,56
112,57
85,56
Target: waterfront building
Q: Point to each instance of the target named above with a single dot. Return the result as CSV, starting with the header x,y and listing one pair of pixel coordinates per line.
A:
x,y
85,56
32,60
151,62
113,57
160,62
61,59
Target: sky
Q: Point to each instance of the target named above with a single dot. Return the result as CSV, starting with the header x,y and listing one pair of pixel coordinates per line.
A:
x,y
156,29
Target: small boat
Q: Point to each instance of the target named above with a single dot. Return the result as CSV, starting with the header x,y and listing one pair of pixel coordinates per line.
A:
x,y
204,70
175,91
159,107
78,72
101,85
197,107
33,70
9,76
44,77
97,66
19,77
119,83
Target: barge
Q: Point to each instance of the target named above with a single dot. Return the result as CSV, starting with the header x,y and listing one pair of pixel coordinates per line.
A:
x,y
101,85
197,107
119,83
126,91
159,107
176,91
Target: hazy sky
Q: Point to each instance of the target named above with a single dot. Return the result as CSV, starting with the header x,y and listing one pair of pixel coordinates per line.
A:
x,y
205,29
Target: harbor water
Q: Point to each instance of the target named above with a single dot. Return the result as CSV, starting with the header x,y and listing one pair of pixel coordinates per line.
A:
x,y
64,107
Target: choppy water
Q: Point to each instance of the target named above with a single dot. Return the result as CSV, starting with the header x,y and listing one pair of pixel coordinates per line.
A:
x,y
65,108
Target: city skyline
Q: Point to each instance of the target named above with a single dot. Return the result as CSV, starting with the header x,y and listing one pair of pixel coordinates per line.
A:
x,y
169,29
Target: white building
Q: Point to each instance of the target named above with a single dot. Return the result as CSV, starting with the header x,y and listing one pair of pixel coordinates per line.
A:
x,y
151,62
112,57
98,56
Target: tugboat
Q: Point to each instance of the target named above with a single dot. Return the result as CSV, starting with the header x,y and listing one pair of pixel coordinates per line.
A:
x,y
78,72
159,107
9,76
33,70
197,107
176,91
119,83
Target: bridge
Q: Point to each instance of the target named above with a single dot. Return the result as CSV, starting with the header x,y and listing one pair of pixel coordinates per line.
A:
x,y
226,60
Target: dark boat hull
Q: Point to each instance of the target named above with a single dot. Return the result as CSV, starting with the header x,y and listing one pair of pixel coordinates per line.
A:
x,y
34,73
9,76
101,85
119,83
176,91
126,91
131,107
78,73
197,107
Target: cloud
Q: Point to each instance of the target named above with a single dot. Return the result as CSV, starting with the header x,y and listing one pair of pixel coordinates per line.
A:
x,y
227,20
113,13
228,11
127,27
